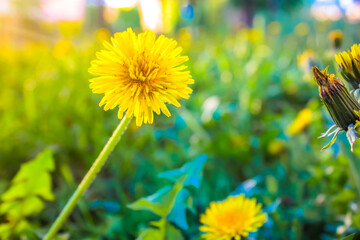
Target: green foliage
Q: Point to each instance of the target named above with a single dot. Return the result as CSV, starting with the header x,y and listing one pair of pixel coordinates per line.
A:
x,y
25,197
354,236
168,202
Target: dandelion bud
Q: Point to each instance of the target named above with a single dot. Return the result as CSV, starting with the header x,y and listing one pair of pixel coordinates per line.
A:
x,y
337,99
349,65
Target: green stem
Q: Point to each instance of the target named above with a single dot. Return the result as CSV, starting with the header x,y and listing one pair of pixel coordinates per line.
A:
x,y
354,169
89,177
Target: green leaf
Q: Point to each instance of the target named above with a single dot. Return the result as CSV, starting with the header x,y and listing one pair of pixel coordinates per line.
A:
x,y
20,209
150,234
178,212
173,233
356,220
5,231
345,196
33,178
160,202
354,236
162,230
30,186
349,237
190,174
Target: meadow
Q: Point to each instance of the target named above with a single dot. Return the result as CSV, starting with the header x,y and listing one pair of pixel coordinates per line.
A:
x,y
250,127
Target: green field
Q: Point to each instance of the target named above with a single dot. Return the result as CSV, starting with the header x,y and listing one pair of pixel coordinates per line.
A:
x,y
249,127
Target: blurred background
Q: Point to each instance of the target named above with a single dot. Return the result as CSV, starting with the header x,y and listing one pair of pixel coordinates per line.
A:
x,y
255,112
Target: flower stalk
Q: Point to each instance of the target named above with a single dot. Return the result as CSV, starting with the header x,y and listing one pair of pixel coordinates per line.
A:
x,y
89,177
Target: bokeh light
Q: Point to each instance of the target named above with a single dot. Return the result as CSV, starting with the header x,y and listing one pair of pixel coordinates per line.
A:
x,y
120,3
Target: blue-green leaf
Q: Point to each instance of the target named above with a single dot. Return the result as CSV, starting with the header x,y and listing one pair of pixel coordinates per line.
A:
x,y
192,171
178,213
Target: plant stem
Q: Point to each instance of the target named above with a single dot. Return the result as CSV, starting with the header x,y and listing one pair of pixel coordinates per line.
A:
x,y
354,168
89,177
355,172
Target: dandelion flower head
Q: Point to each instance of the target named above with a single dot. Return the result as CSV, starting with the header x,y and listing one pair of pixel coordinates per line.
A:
x,y
139,74
349,65
232,218
347,58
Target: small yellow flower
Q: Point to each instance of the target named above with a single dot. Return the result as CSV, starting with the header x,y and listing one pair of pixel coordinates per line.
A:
x,y
102,35
336,37
349,65
62,48
302,120
139,73
232,218
276,147
255,35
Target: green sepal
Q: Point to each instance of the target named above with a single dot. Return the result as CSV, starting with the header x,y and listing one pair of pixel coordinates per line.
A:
x,y
356,94
356,72
332,140
327,133
351,136
348,77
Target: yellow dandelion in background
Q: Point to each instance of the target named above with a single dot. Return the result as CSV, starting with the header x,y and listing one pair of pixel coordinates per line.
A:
x,y
276,147
254,35
232,218
102,35
62,48
336,37
302,120
139,73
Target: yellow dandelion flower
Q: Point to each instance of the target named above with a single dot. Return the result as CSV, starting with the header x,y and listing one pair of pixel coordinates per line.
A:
x,y
302,120
232,218
349,65
139,73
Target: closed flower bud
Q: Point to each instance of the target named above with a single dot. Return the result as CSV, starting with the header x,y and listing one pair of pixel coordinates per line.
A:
x,y
337,99
343,108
